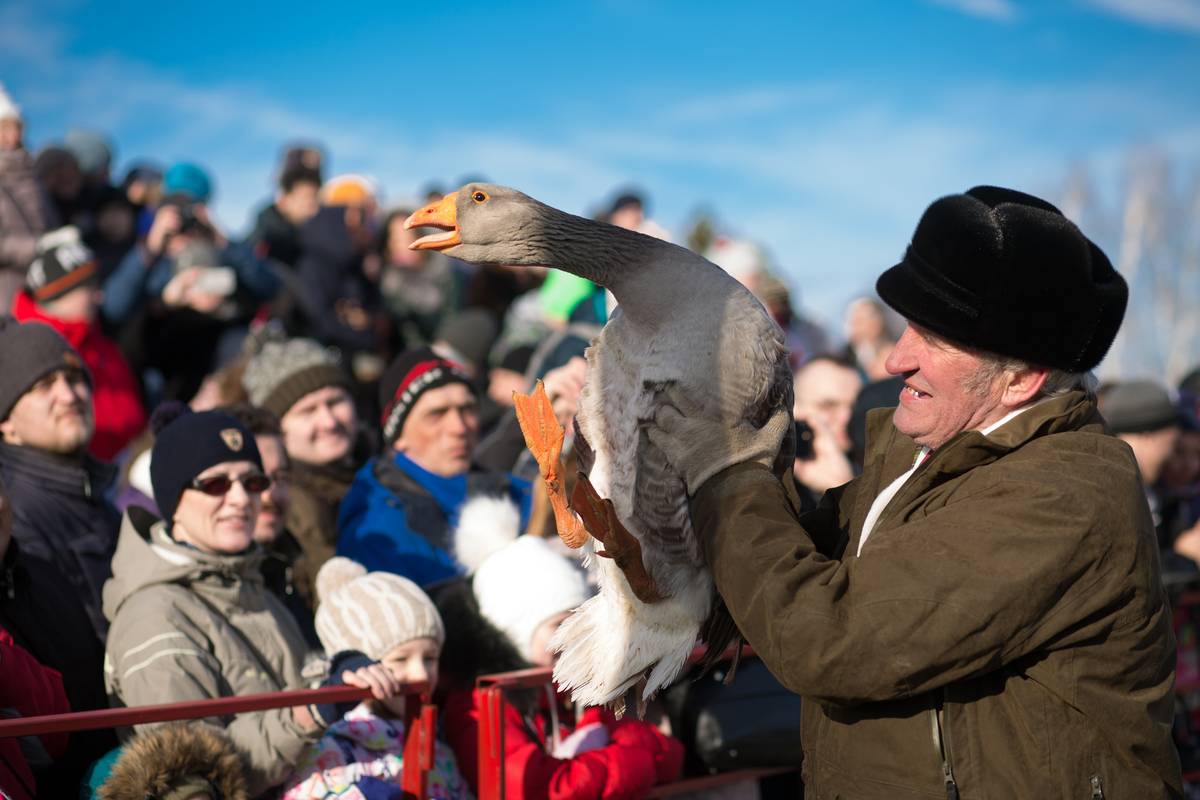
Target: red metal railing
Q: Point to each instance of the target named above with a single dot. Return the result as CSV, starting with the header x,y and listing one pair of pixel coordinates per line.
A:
x,y
420,721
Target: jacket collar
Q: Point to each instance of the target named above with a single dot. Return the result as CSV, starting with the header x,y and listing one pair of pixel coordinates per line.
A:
x,y
87,476
26,309
890,453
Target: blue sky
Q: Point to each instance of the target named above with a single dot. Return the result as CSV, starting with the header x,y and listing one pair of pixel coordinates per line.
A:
x,y
821,131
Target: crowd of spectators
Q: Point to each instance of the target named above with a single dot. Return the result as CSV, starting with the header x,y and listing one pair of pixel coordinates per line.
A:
x,y
332,487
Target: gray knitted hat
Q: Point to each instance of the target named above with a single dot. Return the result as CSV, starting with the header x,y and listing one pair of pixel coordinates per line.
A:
x,y
283,372
371,612
30,351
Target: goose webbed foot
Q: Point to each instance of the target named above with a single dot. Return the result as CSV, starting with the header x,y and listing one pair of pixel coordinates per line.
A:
x,y
544,438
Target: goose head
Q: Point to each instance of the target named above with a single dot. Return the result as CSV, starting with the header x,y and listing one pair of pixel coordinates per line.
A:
x,y
486,224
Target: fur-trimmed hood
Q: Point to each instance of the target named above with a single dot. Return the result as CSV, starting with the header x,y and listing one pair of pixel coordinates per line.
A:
x,y
166,759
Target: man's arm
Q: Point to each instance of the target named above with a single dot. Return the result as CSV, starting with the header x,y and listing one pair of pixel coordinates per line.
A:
x,y
963,590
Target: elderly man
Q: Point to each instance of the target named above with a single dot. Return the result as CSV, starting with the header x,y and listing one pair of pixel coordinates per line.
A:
x,y
399,513
980,613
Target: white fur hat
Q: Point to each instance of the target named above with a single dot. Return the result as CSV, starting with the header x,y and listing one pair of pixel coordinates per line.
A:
x,y
8,109
371,612
520,582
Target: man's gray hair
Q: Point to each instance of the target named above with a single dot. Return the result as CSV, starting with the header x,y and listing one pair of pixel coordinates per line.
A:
x,y
1057,382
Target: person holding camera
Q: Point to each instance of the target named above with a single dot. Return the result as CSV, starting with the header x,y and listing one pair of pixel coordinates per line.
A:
x,y
187,292
825,389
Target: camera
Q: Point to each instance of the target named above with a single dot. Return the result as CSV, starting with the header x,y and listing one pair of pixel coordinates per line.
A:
x,y
804,441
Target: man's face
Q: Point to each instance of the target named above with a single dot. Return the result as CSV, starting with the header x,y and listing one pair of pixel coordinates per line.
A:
x,y
55,415
441,430
937,401
319,427
78,305
826,392
274,508
300,204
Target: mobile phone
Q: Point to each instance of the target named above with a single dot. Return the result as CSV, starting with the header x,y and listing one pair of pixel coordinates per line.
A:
x,y
804,441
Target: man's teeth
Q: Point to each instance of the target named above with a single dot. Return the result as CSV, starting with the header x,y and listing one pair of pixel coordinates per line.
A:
x,y
913,392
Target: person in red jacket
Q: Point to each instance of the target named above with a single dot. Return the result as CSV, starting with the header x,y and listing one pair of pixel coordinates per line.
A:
x,y
521,590
60,291
27,689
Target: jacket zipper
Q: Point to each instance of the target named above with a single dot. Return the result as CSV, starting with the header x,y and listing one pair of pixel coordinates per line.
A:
x,y
942,743
1097,787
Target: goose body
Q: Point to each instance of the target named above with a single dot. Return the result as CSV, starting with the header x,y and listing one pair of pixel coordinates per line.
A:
x,y
683,322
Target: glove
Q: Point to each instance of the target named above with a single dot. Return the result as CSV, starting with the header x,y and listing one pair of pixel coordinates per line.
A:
x,y
347,660
698,448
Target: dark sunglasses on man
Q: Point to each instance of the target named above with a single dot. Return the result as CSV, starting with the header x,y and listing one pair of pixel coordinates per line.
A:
x,y
218,485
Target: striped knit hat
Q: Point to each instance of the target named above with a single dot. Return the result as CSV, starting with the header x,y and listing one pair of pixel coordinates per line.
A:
x,y
282,372
371,612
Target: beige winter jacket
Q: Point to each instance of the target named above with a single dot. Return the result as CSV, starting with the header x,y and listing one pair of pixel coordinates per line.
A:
x,y
189,626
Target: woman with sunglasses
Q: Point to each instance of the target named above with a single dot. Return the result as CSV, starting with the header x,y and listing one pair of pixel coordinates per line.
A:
x,y
191,618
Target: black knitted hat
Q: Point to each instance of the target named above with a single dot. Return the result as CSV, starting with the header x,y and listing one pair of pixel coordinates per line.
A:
x,y
414,372
30,351
63,262
189,443
1003,271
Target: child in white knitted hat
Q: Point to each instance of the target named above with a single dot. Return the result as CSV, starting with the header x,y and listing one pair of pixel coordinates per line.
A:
x,y
390,620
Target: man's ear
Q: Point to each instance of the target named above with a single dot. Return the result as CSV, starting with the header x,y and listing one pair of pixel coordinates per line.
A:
x,y
1023,385
9,432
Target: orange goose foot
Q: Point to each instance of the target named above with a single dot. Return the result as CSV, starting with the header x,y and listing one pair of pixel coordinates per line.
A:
x,y
544,438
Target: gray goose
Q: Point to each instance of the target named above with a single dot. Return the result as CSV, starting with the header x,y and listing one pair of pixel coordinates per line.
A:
x,y
681,322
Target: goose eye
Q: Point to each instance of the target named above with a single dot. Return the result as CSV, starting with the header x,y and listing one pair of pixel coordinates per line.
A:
x,y
479,197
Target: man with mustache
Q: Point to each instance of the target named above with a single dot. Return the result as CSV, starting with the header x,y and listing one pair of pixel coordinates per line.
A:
x,y
980,613
303,384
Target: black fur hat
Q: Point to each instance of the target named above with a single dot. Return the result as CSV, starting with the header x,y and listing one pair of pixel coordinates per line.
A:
x,y
1003,271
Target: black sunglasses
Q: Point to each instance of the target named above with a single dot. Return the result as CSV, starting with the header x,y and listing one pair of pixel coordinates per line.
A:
x,y
217,485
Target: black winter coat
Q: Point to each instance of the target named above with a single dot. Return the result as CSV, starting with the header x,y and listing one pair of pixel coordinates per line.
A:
x,y
63,519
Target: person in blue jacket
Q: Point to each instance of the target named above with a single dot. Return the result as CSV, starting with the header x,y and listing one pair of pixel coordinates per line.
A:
x,y
401,510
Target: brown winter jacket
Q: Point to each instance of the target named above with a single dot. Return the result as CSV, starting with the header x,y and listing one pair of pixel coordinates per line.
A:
x,y
189,626
316,493
1004,625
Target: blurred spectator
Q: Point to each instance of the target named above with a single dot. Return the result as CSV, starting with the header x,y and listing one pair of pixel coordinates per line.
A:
x,y
390,620
59,173
143,189
27,689
114,230
1142,415
744,260
197,289
191,618
277,229
419,287
303,384
60,291
868,338
25,209
93,153
334,302
39,579
59,492
280,548
805,339
398,515
825,390
525,590
180,761
466,338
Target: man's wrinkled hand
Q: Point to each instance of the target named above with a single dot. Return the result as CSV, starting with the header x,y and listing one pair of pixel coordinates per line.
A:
x,y
698,447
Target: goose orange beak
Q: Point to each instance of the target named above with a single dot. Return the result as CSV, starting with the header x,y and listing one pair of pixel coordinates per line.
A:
x,y
442,214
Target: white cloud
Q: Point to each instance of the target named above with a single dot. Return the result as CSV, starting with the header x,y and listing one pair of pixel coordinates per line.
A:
x,y
998,10
1180,15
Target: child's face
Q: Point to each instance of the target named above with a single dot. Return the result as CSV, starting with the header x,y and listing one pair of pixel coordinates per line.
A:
x,y
412,662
